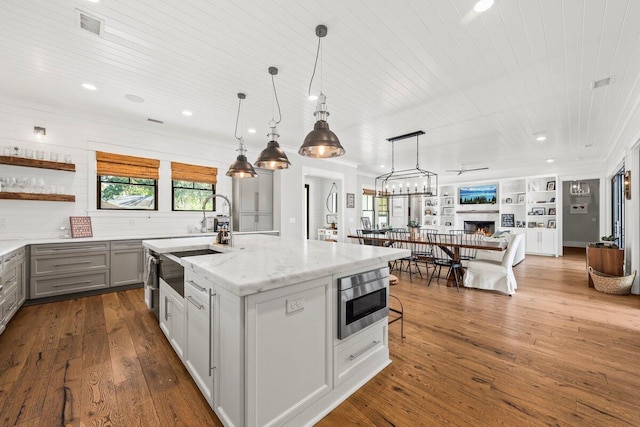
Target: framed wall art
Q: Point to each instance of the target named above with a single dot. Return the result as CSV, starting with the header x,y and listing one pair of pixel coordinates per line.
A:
x,y
351,200
80,226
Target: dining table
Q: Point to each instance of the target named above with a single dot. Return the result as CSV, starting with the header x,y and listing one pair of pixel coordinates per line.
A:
x,y
449,243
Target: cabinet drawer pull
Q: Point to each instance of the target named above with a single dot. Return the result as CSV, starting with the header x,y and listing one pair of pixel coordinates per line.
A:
x,y
195,285
192,301
364,350
84,282
11,307
71,263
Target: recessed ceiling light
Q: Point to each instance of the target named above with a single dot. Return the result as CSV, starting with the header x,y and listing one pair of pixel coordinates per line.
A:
x,y
187,113
381,166
550,160
93,1
251,130
89,86
483,5
541,138
312,97
134,98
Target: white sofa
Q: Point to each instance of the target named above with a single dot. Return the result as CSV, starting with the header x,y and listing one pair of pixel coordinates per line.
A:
x,y
496,255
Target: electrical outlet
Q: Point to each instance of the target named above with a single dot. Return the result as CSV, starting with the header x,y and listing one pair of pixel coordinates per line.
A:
x,y
295,304
292,220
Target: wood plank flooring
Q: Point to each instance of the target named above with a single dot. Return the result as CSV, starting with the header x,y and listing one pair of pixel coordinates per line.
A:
x,y
556,353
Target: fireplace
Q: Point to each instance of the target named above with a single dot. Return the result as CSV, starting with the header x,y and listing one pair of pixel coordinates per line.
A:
x,y
486,228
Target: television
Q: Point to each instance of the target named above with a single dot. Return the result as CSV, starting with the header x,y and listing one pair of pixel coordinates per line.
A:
x,y
479,195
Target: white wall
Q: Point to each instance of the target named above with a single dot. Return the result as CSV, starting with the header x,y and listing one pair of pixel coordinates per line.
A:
x,y
80,134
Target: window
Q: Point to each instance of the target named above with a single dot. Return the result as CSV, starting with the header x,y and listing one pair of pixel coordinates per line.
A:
x,y
189,196
126,182
383,210
191,186
368,208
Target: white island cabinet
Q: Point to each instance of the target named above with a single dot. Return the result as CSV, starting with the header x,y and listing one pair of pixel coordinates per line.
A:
x,y
261,340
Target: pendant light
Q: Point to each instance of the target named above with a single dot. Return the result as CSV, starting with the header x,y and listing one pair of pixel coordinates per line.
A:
x,y
407,182
273,157
321,142
241,168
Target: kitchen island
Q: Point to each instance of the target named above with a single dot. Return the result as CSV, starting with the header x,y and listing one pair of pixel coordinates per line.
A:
x,y
260,326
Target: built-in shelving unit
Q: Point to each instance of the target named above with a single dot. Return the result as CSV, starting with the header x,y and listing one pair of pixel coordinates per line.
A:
x,y
526,205
41,164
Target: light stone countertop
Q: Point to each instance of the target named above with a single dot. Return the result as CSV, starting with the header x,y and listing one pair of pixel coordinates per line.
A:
x,y
259,263
7,246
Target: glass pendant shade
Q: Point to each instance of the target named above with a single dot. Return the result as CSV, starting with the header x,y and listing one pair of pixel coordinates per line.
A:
x,y
321,142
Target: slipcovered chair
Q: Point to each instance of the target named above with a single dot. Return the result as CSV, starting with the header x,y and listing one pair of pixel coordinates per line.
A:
x,y
494,275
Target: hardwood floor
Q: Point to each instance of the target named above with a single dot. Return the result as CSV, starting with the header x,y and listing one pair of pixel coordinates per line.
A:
x,y
556,353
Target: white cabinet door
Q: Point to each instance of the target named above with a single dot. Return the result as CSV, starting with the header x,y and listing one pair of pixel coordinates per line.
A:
x,y
199,337
177,326
289,335
172,319
247,221
542,241
547,242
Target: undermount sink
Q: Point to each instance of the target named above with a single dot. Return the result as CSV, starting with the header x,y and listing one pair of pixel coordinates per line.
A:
x,y
194,253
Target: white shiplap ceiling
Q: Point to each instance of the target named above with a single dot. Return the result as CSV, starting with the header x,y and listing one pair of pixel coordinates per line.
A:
x,y
480,85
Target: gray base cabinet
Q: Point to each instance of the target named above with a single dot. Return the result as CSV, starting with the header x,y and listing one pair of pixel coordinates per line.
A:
x,y
127,261
13,290
62,268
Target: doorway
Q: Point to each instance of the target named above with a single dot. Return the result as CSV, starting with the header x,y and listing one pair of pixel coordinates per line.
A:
x,y
580,212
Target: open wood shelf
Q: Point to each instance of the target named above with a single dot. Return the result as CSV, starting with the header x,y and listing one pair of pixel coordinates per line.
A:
x,y
38,196
34,163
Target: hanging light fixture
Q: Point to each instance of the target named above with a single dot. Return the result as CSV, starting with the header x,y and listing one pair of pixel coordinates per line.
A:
x,y
273,157
241,168
321,142
407,182
579,188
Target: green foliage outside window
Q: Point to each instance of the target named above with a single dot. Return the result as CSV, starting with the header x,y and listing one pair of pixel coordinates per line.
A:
x,y
189,196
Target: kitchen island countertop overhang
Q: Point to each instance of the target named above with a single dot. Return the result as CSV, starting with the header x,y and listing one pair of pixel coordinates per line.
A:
x,y
258,263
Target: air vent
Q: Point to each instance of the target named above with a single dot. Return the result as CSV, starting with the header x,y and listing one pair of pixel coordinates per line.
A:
x,y
155,121
599,83
90,23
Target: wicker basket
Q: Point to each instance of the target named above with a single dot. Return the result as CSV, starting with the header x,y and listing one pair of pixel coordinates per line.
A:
x,y
612,284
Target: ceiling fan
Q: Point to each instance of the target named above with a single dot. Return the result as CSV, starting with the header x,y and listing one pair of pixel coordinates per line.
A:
x,y
463,170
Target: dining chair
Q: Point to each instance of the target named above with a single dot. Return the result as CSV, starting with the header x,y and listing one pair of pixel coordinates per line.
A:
x,y
443,254
494,275
423,250
402,240
467,254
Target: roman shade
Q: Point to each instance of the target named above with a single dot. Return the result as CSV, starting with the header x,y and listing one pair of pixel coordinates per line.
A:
x,y
126,166
193,173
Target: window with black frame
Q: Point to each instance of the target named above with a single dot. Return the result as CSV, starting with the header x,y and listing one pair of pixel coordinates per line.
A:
x,y
126,182
189,196
191,185
125,193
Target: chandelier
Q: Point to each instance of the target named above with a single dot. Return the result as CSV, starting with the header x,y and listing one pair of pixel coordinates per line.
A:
x,y
407,182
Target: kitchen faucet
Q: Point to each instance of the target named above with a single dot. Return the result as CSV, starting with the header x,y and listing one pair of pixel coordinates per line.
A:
x,y
203,228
